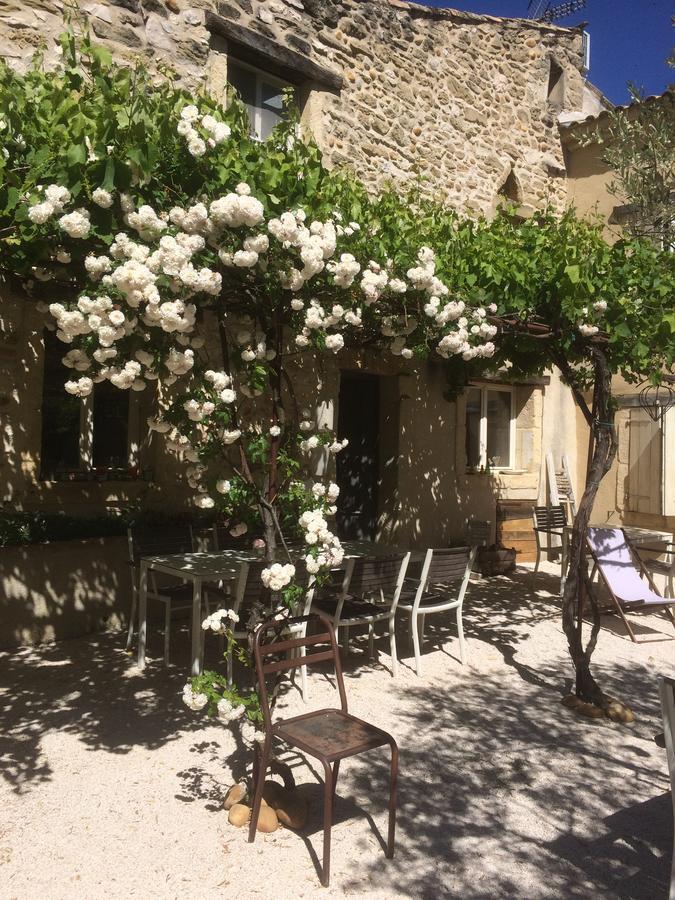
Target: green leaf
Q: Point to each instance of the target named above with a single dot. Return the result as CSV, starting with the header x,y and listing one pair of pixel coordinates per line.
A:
x,y
109,175
76,154
572,273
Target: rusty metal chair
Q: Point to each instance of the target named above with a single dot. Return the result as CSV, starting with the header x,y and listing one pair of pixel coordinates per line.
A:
x,y
329,735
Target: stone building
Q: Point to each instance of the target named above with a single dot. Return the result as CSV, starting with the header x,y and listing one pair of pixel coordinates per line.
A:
x,y
396,91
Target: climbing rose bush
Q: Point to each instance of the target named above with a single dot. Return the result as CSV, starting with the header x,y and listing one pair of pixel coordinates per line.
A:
x,y
174,255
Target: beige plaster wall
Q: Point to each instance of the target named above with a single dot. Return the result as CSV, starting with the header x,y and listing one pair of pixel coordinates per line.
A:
x,y
61,590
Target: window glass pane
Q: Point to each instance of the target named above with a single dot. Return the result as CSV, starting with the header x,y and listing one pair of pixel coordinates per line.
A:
x,y
111,427
271,109
499,428
473,428
60,451
244,82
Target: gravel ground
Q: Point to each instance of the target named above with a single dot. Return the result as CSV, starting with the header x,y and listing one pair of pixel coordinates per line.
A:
x,y
112,787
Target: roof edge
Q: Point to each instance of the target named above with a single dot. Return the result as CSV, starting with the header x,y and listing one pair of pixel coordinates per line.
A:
x,y
445,12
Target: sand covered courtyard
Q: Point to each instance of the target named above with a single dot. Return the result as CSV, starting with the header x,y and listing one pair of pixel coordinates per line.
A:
x,y
111,787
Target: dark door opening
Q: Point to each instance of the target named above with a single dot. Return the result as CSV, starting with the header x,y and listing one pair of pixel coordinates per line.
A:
x,y
358,464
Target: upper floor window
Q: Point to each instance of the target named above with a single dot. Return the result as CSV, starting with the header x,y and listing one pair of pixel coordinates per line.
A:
x,y
261,93
490,427
94,437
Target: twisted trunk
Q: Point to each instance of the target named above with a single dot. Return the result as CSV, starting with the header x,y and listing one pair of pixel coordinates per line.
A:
x,y
603,451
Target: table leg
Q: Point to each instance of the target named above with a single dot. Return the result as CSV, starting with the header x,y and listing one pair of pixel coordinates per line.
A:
x,y
197,626
142,613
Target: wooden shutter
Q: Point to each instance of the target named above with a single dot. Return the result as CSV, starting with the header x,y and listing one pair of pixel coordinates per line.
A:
x,y
645,463
669,462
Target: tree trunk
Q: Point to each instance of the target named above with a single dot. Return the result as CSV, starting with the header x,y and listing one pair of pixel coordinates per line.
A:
x,y
604,444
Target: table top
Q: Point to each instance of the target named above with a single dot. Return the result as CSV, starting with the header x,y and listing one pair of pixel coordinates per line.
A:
x,y
221,564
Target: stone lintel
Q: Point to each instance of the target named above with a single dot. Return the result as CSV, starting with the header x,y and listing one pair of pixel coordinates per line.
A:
x,y
269,51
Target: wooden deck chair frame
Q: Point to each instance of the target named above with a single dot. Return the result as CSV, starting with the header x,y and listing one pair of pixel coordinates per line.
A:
x,y
623,608
667,695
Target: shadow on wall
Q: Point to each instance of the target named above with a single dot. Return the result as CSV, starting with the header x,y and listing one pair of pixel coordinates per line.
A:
x,y
62,589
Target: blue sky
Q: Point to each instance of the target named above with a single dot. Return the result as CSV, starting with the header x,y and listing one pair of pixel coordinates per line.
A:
x,y
630,39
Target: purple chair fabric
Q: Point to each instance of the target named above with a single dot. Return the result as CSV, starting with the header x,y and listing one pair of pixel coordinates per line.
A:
x,y
615,560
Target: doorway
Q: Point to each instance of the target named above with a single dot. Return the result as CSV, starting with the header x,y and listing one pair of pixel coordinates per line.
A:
x,y
357,465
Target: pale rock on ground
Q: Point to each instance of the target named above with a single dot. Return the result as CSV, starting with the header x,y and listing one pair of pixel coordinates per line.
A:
x,y
113,788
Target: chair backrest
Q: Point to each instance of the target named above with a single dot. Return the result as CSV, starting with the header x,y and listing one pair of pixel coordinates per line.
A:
x,y
377,577
447,565
617,564
223,540
478,533
667,695
148,540
550,517
445,568
281,644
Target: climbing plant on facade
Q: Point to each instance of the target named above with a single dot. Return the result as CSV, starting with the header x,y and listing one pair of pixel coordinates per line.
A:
x,y
174,254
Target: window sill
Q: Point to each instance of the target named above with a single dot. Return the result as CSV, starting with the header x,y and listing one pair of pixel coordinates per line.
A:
x,y
498,471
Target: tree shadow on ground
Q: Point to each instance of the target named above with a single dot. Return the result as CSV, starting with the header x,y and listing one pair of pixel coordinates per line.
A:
x,y
89,687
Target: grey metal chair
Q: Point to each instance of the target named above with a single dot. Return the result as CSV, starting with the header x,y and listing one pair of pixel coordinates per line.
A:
x,y
442,586
147,540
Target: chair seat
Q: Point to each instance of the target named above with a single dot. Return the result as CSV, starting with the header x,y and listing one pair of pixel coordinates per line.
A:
x,y
330,734
353,608
174,593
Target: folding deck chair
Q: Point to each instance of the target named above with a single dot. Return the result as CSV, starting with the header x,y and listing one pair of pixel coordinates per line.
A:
x,y
622,571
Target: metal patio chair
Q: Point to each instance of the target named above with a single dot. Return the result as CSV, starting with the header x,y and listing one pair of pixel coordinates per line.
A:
x,y
442,585
667,694
250,592
665,567
622,572
147,540
328,735
548,522
370,591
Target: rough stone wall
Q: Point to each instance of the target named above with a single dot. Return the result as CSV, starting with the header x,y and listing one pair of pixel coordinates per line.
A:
x,y
457,98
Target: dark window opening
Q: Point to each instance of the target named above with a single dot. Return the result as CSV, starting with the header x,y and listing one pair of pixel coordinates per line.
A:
x,y
556,84
110,449
261,94
61,413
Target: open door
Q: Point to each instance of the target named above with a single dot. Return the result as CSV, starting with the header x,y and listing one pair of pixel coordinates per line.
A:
x,y
358,464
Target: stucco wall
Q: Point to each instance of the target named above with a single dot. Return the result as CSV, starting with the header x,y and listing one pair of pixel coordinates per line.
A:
x,y
63,589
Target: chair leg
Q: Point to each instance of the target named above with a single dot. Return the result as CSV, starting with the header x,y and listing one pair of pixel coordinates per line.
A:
x,y
392,647
259,773
416,644
336,770
460,632
303,678
327,822
132,617
371,640
536,565
167,632
393,785
345,640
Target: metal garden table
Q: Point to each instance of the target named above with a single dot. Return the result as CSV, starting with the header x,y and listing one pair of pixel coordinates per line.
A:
x,y
200,569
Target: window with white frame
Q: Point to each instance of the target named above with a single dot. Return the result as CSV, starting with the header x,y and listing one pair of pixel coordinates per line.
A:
x,y
94,437
262,95
490,427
